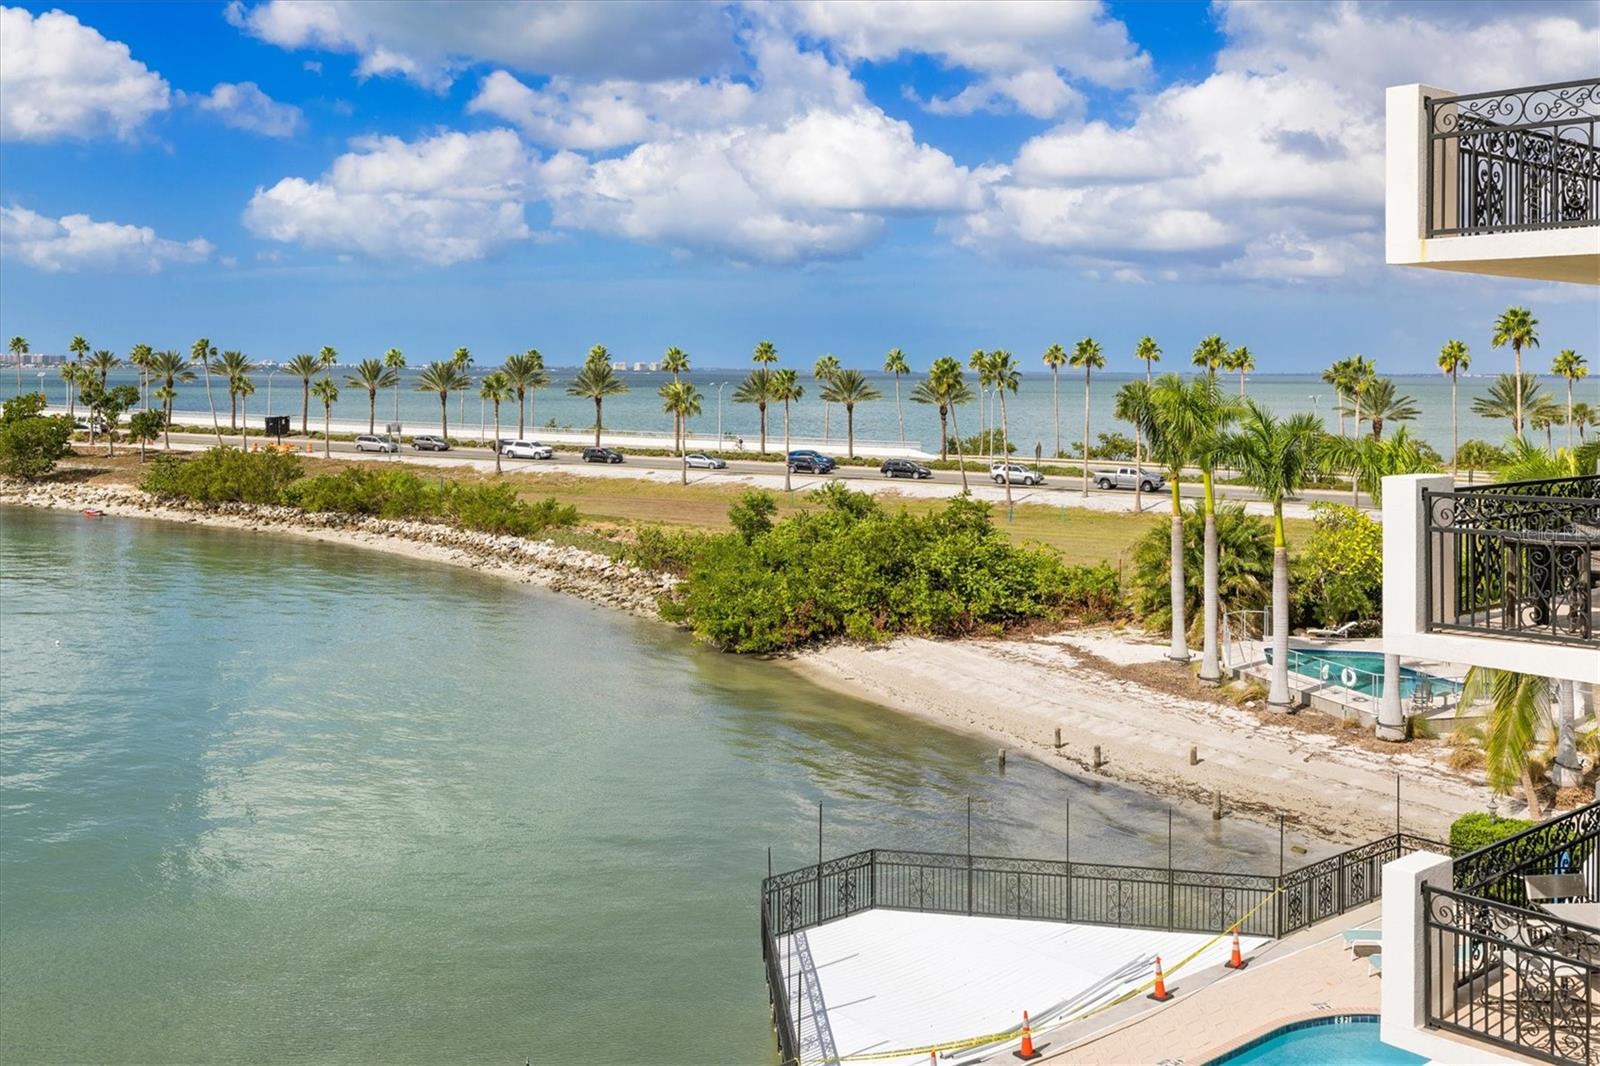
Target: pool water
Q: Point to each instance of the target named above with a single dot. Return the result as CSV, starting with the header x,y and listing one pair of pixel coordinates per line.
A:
x,y
1323,665
1347,1040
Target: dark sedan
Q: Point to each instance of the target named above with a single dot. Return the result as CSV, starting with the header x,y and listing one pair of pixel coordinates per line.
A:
x,y
601,455
903,468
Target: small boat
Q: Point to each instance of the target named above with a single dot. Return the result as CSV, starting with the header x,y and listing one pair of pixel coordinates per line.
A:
x,y
93,512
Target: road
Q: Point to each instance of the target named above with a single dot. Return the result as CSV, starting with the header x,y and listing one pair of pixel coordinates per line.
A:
x,y
1060,491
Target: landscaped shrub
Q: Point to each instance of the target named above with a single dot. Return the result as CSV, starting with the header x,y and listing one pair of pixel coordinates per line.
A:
x,y
30,442
498,509
851,568
1244,567
1480,829
384,493
223,475
1338,576
671,551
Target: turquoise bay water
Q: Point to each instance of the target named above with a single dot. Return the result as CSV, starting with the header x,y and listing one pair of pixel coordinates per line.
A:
x,y
268,800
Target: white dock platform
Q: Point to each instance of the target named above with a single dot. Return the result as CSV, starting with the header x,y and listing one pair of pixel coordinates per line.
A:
x,y
882,981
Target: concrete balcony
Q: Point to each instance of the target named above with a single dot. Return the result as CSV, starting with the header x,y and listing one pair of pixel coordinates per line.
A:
x,y
1504,183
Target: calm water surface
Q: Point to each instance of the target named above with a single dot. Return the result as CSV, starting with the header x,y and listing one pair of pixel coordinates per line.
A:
x,y
269,800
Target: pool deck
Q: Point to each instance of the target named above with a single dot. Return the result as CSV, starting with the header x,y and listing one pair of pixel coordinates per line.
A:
x,y
882,981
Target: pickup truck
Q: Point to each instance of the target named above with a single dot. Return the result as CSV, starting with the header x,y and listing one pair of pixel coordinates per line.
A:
x,y
1127,477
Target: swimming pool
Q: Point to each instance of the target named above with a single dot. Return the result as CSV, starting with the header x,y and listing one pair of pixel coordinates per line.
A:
x,y
1341,1040
1365,671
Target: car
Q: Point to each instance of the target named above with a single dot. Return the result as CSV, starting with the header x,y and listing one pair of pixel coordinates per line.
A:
x,y
601,455
1127,477
1015,473
527,449
903,468
806,461
702,461
369,442
427,442
87,425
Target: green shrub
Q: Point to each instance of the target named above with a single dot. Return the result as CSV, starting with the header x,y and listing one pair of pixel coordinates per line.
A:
x,y
1338,574
751,514
223,475
671,551
851,568
1244,566
31,445
364,490
498,509
1480,829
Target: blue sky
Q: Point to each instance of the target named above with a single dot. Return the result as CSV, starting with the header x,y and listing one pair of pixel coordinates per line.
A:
x,y
834,177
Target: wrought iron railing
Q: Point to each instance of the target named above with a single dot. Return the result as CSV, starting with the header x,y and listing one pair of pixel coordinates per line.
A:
x,y
1509,976
1518,159
1559,846
1148,897
1518,559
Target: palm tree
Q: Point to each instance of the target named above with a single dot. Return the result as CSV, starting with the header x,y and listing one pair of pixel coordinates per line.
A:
x,y
1520,708
1583,415
496,387
1200,416
765,354
306,367
756,388
372,375
1506,399
394,359
1362,374
1086,354
848,388
462,358
975,363
1572,366
947,389
203,352
1055,357
1338,376
1161,410
1210,354
170,367
1276,458
823,371
69,378
1383,405
139,357
786,389
682,401
525,373
101,363
165,394
1148,350
232,367
328,356
1516,326
895,363
1368,460
78,347
1126,405
596,381
1003,376
245,389
328,393
675,361
441,379
1453,358
1241,360
19,348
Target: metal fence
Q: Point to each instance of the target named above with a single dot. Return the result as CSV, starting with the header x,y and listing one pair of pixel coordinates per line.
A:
x,y
1196,901
1517,159
1518,558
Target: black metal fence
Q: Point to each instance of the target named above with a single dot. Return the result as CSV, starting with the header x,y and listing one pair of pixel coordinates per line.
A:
x,y
1518,159
1515,559
1148,897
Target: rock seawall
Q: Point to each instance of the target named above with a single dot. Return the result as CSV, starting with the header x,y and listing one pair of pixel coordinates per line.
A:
x,y
562,568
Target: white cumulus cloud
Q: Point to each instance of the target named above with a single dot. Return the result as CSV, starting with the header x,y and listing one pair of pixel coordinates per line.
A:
x,y
244,106
62,79
441,199
75,242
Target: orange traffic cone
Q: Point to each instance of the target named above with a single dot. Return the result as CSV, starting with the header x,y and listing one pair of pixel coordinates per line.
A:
x,y
1160,995
1237,962
1026,1052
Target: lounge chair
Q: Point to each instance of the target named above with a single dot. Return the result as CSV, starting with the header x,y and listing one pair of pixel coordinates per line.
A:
x,y
1335,633
1374,965
1353,937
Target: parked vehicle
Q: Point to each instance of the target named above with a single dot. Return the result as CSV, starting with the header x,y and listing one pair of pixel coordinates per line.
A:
x,y
601,455
428,442
1015,473
1127,477
702,461
527,449
806,461
86,425
903,468
367,442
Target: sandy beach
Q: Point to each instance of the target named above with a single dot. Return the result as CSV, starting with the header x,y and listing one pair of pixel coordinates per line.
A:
x,y
1017,692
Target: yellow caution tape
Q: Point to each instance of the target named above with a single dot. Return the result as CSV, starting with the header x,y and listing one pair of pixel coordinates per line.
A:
x,y
1016,1030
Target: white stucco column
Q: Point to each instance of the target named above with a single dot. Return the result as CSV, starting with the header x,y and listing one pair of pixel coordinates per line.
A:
x,y
1567,771
1391,712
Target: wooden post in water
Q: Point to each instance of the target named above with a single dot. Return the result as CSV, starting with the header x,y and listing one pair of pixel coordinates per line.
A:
x,y
1002,760
1097,761
1216,806
1194,755
1058,738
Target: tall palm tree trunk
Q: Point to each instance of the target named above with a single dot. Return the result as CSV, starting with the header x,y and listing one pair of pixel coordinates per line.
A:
x,y
497,438
901,415
1569,414
305,408
327,431
233,411
522,409
761,409
1005,448
850,430
1210,668
216,427
955,424
1180,628
944,435
1455,436
1086,431
787,470
444,415
1516,350
1055,402
397,395
1278,689
597,414
372,410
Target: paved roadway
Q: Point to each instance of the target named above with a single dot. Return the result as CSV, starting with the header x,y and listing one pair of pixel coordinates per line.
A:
x,y
1055,488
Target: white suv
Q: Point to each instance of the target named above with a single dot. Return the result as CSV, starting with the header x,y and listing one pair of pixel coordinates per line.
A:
x,y
370,443
1015,473
528,449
